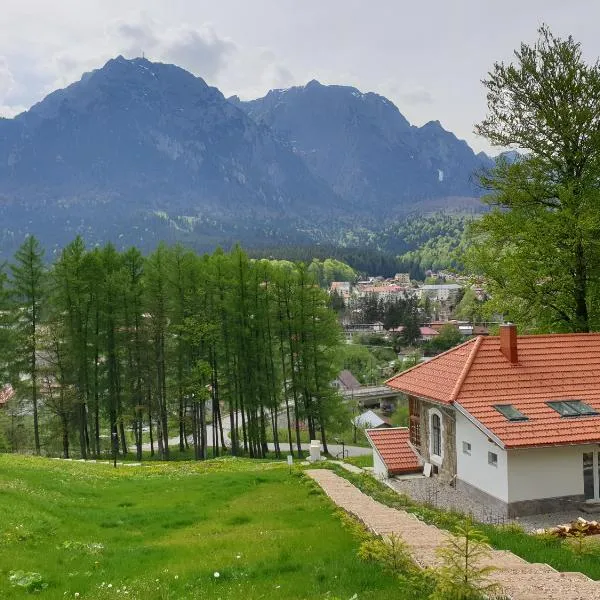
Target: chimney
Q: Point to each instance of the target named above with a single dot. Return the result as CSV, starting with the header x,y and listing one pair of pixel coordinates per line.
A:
x,y
508,342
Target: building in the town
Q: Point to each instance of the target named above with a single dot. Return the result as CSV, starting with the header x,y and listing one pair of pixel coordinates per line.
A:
x,y
426,333
345,381
442,292
370,420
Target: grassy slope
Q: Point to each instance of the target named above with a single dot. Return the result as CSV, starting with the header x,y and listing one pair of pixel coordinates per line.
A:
x,y
167,528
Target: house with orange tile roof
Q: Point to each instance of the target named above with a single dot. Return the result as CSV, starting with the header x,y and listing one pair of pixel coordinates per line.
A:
x,y
512,420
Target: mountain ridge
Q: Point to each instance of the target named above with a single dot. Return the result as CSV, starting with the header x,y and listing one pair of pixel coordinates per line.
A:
x,y
385,159
137,151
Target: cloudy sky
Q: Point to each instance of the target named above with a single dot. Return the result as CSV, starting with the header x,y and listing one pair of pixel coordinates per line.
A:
x,y
428,56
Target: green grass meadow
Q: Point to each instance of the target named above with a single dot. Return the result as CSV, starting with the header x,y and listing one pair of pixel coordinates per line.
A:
x,y
228,529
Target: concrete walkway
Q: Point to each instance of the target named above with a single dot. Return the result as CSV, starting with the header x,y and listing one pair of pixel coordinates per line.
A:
x,y
520,579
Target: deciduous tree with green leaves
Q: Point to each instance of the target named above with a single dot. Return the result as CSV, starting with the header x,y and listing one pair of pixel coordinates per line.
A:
x,y
539,248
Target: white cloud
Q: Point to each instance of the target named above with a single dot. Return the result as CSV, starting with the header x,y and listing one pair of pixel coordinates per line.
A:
x,y
235,69
253,72
11,111
406,93
7,85
7,81
436,63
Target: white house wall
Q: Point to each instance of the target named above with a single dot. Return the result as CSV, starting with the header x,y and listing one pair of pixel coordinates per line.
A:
x,y
474,468
546,472
379,468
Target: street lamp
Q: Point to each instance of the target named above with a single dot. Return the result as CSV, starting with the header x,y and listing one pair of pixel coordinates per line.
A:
x,y
338,441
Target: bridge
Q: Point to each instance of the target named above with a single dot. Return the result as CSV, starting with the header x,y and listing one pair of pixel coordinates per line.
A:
x,y
370,395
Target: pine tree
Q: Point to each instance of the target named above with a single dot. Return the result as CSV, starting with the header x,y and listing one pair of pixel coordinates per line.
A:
x,y
28,286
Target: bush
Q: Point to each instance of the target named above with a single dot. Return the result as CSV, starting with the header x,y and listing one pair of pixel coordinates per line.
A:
x,y
391,553
32,582
462,576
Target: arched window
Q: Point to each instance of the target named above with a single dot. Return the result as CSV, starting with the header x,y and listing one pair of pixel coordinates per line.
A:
x,y
436,434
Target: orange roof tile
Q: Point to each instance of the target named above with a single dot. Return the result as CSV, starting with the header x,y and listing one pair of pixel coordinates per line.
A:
x,y
477,376
437,378
395,450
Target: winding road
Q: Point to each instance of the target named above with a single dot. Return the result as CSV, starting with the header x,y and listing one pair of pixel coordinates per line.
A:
x,y
334,449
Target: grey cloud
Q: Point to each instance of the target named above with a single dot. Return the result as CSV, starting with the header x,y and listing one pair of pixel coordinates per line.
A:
x,y
417,96
139,34
197,49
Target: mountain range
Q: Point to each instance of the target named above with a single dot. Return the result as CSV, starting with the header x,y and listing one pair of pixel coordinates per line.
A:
x,y
138,151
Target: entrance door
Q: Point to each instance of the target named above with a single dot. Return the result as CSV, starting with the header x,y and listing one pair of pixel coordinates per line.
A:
x,y
591,476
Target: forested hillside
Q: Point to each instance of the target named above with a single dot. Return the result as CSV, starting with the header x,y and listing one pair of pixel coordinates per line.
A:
x,y
411,245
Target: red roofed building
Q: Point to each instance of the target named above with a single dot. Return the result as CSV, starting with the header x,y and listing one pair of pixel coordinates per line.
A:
x,y
514,420
6,393
393,453
427,333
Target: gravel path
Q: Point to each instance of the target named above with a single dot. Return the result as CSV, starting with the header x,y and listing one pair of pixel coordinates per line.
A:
x,y
520,580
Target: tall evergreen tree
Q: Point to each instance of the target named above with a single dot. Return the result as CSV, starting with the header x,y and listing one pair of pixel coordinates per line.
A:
x,y
28,285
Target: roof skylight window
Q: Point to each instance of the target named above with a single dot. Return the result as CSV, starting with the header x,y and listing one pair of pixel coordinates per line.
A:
x,y
572,408
510,412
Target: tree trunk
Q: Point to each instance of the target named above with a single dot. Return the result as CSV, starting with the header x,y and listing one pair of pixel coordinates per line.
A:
x,y
65,436
581,309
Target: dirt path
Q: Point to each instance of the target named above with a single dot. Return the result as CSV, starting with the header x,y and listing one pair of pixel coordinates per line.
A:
x,y
520,579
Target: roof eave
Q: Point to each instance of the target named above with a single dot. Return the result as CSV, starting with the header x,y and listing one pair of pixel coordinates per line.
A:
x,y
553,445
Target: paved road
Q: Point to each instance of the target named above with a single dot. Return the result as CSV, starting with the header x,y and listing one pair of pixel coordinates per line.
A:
x,y
334,449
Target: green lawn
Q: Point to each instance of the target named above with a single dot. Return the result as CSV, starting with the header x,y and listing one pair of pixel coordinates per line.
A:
x,y
165,530
365,460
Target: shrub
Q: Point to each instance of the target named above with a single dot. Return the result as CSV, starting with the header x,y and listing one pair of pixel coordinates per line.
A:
x,y
462,576
391,553
32,582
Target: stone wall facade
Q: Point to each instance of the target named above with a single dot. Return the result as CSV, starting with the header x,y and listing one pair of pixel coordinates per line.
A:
x,y
522,508
447,469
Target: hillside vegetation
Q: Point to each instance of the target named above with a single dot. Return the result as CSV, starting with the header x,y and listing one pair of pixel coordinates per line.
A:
x,y
223,529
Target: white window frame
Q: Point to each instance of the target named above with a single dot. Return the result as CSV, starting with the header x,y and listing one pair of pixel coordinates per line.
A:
x,y
466,448
436,459
490,461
